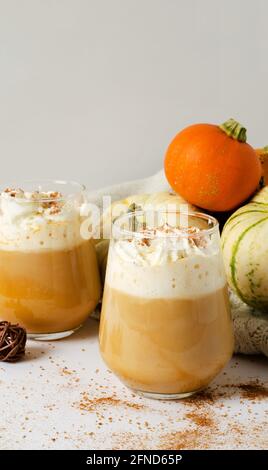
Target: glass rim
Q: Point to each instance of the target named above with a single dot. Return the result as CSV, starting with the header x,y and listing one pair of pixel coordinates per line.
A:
x,y
39,182
137,234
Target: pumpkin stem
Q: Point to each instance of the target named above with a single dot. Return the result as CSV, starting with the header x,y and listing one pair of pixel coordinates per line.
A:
x,y
234,130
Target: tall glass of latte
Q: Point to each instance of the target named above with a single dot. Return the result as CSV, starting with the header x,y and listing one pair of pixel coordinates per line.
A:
x,y
166,328
49,279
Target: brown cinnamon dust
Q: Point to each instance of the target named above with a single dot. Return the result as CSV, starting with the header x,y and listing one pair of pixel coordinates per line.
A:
x,y
200,419
89,404
209,420
203,416
253,390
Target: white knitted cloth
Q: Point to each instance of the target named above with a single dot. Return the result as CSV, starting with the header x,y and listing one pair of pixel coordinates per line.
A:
x,y
250,326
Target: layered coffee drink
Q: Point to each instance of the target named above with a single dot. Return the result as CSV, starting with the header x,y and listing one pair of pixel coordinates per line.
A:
x,y
166,329
49,279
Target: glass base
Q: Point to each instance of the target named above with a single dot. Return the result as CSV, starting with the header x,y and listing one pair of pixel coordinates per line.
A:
x,y
166,396
52,336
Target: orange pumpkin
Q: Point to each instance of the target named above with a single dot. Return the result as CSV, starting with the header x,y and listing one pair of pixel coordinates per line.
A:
x,y
212,166
263,156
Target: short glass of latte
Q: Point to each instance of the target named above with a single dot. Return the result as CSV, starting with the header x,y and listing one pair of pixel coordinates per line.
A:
x,y
49,279
166,329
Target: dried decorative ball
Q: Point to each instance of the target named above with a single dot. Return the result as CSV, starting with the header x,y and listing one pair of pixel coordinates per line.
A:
x,y
12,342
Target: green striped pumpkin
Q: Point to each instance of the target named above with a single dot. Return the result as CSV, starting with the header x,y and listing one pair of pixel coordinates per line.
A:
x,y
245,251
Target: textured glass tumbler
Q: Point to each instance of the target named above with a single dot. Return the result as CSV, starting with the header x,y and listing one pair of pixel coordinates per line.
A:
x,y
49,279
166,328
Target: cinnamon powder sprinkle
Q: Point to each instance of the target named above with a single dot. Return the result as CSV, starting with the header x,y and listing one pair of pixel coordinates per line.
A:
x,y
50,200
66,371
253,390
93,404
200,399
189,439
200,419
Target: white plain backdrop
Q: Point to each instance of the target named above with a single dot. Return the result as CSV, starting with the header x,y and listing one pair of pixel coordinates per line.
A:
x,y
94,90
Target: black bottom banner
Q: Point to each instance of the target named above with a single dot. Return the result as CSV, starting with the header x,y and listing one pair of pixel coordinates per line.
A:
x,y
116,459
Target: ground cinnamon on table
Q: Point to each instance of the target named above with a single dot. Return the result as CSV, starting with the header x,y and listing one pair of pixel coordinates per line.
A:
x,y
200,419
93,404
195,425
253,390
189,439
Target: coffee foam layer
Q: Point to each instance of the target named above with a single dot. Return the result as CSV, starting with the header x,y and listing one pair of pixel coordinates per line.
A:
x,y
197,274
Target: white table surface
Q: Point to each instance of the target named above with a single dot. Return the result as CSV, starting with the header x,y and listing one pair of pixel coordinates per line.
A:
x,y
63,397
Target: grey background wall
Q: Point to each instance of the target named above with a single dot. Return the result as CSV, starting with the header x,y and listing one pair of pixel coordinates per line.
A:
x,y
94,90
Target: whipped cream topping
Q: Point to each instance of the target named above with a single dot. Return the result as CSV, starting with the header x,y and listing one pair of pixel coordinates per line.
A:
x,y
37,220
163,244
166,267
